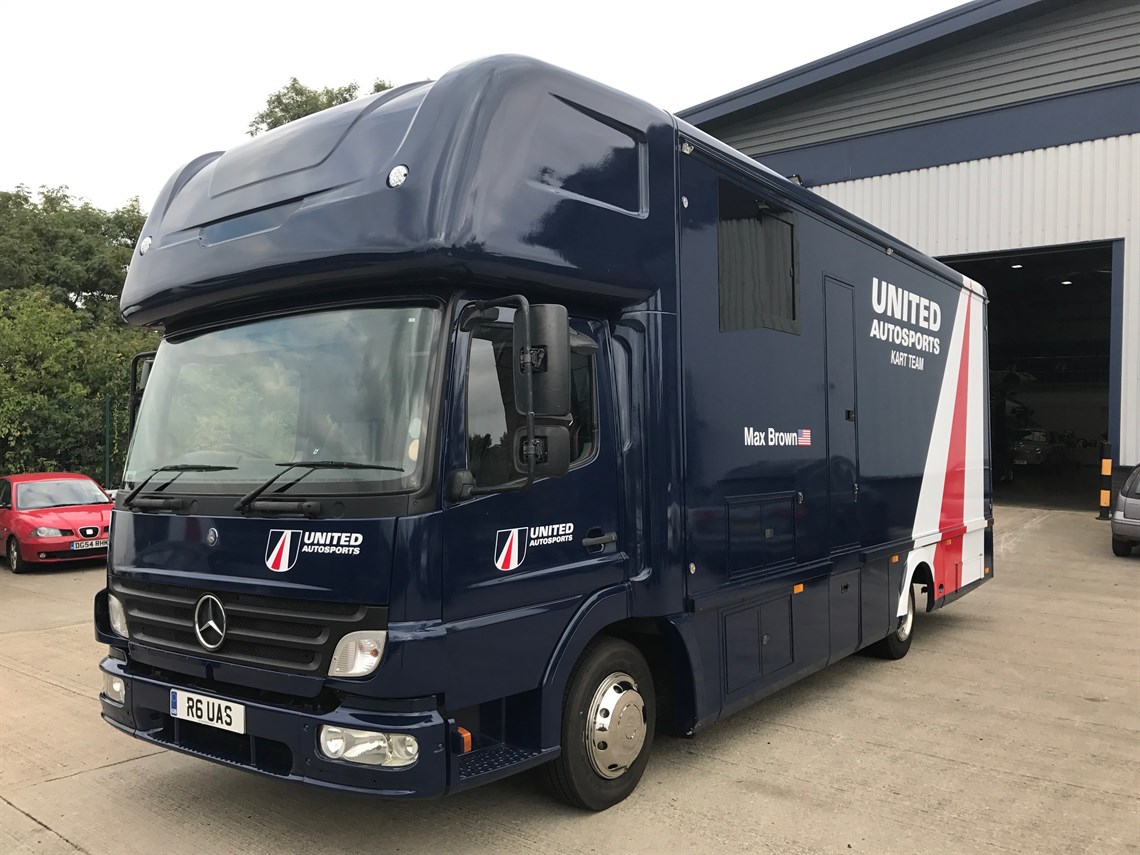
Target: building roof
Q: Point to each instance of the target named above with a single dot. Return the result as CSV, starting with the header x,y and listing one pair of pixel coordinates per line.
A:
x,y
877,54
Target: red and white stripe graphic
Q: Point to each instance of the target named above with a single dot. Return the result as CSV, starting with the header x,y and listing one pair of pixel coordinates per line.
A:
x,y
949,521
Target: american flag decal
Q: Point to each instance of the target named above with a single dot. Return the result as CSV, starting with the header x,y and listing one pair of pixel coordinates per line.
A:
x,y
803,436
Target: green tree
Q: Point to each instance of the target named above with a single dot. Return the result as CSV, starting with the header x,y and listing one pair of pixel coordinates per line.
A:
x,y
295,100
77,253
57,364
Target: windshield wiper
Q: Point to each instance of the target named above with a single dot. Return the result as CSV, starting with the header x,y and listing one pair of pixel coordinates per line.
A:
x,y
312,465
174,467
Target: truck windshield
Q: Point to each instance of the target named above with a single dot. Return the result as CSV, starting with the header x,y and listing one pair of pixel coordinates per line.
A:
x,y
348,385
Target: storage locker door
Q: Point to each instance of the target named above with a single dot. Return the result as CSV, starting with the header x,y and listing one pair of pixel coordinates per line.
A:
x,y
842,445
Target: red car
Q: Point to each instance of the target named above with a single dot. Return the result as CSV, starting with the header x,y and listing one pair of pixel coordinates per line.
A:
x,y
52,516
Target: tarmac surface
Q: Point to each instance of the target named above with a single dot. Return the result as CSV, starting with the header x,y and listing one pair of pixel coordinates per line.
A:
x,y
1013,725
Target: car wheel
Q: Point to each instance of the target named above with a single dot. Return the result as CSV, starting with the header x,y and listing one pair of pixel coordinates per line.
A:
x,y
608,717
1121,547
896,645
16,562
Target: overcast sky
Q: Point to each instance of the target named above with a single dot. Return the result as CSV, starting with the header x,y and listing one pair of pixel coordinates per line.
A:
x,y
111,97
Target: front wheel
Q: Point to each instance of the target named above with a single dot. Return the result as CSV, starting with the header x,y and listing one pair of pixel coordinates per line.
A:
x,y
896,645
16,561
609,713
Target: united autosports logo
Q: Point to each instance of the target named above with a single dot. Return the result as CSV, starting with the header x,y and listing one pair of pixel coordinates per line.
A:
x,y
510,548
285,544
282,548
511,544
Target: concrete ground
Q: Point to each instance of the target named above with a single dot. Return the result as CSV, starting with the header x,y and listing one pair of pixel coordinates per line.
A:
x,y
1012,725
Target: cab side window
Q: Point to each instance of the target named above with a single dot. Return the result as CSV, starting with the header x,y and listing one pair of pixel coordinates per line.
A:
x,y
492,418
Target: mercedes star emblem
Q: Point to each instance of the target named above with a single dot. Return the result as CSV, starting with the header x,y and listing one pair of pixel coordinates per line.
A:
x,y
212,537
210,622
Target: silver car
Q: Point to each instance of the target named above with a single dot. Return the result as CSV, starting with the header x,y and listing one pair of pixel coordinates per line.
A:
x,y
1126,516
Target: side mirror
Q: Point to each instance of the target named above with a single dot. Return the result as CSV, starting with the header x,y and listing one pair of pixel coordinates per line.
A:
x,y
140,373
550,450
460,485
547,363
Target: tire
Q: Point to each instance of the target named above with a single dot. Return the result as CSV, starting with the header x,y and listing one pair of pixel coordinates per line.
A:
x,y
16,562
1121,547
590,773
896,645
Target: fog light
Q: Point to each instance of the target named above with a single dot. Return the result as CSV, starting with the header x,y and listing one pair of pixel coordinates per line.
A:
x,y
114,688
118,615
368,747
358,653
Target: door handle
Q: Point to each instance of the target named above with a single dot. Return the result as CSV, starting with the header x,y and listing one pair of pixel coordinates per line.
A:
x,y
591,542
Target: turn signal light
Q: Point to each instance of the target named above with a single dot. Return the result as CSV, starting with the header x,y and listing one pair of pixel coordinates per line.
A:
x,y
118,615
358,653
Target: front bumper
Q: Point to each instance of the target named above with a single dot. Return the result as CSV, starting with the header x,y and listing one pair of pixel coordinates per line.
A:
x,y
52,549
281,742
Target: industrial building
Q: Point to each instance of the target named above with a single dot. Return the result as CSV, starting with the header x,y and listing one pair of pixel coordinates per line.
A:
x,y
1002,137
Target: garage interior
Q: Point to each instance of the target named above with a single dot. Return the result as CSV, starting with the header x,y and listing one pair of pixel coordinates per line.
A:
x,y
1050,315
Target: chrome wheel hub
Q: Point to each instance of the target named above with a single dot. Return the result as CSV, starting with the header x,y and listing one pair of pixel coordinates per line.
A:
x,y
903,632
615,725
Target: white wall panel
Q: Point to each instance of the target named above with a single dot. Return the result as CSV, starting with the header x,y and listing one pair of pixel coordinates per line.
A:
x,y
1087,191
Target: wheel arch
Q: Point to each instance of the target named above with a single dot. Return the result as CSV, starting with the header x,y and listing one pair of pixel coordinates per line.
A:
x,y
605,614
923,575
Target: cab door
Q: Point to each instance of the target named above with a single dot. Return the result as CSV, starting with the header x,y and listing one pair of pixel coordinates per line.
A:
x,y
528,558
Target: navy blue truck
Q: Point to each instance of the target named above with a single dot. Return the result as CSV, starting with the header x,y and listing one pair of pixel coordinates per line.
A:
x,y
505,420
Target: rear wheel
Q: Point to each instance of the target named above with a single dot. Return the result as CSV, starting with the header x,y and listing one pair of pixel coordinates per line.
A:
x,y
1121,547
608,717
16,561
896,645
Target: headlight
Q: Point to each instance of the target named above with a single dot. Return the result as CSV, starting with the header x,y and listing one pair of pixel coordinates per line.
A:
x,y
358,653
118,615
44,531
114,688
369,747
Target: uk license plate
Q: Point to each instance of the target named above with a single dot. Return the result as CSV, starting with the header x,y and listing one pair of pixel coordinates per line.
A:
x,y
89,544
213,712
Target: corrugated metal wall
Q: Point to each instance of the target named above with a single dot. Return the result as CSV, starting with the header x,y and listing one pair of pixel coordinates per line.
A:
x,y
1081,46
1083,192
